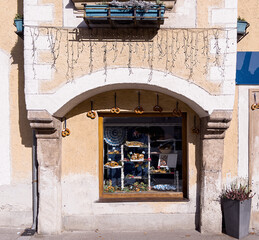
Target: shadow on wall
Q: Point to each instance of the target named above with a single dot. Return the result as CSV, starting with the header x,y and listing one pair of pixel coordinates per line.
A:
x,y
118,34
195,140
71,5
17,54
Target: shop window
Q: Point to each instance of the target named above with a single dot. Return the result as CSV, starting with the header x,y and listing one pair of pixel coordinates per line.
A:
x,y
142,156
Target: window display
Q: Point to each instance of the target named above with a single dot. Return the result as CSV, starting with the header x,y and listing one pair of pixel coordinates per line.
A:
x,y
142,155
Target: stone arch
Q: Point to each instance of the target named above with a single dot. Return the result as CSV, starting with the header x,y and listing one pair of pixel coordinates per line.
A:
x,y
76,91
214,111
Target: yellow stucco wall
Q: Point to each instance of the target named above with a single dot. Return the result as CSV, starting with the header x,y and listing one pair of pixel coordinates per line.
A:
x,y
229,168
20,131
248,9
203,8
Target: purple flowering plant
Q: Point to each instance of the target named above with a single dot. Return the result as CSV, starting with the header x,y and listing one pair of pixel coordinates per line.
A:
x,y
239,190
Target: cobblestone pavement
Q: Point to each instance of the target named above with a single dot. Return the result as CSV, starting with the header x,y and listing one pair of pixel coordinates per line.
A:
x,y
15,234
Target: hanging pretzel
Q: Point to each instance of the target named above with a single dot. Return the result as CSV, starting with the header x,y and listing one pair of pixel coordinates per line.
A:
x,y
157,108
65,132
255,105
139,109
177,112
115,109
91,114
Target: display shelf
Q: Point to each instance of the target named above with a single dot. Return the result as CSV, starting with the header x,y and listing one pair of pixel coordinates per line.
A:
x,y
136,177
138,160
113,167
136,146
170,173
129,166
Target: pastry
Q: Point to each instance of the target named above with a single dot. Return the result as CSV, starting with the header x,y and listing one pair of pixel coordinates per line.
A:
x,y
91,114
65,132
115,110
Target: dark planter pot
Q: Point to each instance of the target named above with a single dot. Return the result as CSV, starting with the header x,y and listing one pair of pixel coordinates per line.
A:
x,y
237,217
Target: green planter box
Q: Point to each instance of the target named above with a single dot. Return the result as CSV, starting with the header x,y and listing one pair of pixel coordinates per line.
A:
x,y
123,15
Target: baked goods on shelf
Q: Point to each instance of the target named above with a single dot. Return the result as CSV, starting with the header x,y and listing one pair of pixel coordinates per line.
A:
x,y
137,156
114,152
158,171
134,144
112,164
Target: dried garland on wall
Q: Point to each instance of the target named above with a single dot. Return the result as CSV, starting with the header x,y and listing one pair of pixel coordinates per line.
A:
x,y
169,43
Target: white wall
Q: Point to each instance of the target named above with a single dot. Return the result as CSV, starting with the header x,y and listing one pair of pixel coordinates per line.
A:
x,y
5,161
243,140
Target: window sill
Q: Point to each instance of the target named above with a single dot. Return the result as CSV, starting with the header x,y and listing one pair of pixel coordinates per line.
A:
x,y
154,199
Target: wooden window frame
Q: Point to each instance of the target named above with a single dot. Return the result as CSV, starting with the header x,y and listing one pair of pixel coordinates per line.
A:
x,y
144,196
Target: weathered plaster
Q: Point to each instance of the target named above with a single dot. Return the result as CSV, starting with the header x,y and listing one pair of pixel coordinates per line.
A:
x,y
213,130
81,211
16,205
134,222
49,147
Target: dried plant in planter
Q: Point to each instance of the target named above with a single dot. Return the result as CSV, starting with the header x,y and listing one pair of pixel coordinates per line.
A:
x,y
238,190
133,3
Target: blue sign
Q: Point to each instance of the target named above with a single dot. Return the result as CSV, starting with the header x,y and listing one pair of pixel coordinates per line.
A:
x,y
247,68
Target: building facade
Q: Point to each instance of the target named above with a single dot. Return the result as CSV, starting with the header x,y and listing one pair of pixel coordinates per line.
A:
x,y
136,118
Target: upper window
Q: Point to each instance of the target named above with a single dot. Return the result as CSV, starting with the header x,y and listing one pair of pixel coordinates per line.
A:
x,y
142,156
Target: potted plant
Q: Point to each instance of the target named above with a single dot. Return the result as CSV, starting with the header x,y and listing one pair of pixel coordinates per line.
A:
x,y
18,23
242,25
236,206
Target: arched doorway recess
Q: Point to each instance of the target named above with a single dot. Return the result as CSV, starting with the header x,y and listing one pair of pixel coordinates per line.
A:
x,y
214,111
